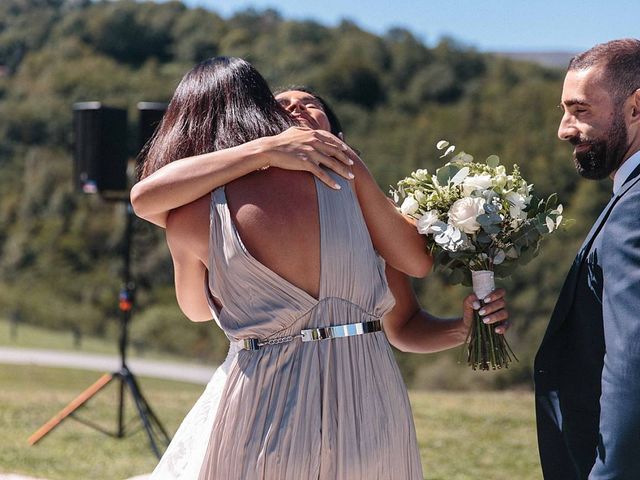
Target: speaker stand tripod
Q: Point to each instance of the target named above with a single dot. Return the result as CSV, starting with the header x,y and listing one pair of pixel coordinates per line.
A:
x,y
156,433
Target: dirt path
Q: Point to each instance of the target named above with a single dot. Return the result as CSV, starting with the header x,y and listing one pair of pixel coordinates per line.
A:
x,y
106,363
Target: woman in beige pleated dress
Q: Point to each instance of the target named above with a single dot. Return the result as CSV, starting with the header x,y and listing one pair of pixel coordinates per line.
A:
x,y
292,268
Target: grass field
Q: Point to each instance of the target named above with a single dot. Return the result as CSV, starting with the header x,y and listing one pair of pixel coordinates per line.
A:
x,y
462,436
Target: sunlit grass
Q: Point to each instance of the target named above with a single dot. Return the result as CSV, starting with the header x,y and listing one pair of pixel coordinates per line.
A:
x,y
488,435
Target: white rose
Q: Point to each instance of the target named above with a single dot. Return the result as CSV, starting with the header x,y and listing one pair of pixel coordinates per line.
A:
x,y
476,182
500,181
463,213
427,222
409,206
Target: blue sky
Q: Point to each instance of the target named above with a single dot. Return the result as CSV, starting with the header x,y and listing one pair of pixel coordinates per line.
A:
x,y
489,25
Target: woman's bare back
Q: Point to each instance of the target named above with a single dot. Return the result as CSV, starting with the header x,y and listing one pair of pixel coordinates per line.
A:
x,y
276,215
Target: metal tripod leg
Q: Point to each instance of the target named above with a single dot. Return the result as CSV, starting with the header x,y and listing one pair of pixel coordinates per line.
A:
x,y
155,431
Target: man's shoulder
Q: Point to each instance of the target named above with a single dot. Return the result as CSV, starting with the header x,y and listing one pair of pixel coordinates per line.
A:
x,y
630,197
632,183
623,224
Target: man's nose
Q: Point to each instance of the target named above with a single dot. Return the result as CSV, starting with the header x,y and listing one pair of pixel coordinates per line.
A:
x,y
567,128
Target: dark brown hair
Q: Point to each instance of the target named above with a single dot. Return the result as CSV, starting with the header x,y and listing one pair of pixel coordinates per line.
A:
x,y
220,103
621,61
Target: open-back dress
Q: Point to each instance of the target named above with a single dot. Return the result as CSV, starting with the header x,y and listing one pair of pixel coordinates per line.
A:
x,y
333,409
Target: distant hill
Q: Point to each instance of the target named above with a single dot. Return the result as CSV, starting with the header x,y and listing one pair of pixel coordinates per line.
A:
x,y
60,252
546,59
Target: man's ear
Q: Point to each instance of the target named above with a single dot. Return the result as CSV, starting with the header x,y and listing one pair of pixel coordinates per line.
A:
x,y
634,108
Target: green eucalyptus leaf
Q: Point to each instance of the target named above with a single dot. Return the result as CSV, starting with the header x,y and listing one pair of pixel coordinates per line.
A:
x,y
493,161
489,219
491,208
484,219
505,269
542,228
446,173
482,238
491,229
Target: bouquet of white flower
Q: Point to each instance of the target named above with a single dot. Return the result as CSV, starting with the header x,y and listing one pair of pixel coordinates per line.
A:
x,y
479,222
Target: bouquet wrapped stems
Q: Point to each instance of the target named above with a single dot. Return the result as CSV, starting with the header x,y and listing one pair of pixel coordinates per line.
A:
x,y
486,349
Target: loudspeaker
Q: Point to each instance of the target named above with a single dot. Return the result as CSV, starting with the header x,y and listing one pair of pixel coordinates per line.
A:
x,y
100,149
151,114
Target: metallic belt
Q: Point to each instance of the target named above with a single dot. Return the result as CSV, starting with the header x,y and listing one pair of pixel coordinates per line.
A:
x,y
314,334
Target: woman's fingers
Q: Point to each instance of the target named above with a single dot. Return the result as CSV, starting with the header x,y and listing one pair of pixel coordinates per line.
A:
x,y
494,310
503,327
330,162
496,294
298,148
471,302
335,147
323,176
499,316
489,308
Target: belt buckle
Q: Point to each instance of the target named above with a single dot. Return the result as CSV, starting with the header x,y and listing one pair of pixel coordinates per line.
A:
x,y
313,334
251,344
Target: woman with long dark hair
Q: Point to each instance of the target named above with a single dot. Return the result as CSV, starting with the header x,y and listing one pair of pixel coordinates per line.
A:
x,y
289,264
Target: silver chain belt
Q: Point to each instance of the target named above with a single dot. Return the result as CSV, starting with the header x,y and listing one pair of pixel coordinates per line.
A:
x,y
314,334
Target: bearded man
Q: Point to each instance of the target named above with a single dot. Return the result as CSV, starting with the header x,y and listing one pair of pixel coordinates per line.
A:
x,y
587,371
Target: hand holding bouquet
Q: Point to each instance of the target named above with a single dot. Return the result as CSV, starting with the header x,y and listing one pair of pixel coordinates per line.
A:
x,y
479,222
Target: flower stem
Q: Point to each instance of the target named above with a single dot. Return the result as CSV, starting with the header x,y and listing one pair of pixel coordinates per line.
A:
x,y
487,350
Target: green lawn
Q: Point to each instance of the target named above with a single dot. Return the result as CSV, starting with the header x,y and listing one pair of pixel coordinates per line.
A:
x,y
488,435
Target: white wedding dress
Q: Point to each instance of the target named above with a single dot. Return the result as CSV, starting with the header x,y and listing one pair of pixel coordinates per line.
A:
x,y
184,456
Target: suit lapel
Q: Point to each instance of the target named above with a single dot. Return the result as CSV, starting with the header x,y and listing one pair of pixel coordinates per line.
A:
x,y
567,294
602,219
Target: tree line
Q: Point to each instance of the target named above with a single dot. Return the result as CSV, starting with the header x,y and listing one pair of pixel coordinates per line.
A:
x,y
395,95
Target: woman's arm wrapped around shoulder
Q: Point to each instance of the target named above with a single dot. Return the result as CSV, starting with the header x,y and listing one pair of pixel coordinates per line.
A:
x,y
183,181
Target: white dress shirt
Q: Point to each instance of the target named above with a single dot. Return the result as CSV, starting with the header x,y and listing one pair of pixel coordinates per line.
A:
x,y
624,171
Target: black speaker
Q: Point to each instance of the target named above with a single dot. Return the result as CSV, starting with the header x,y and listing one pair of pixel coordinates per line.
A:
x,y
100,149
150,116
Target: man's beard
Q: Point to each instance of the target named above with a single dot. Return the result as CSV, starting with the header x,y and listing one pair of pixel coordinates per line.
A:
x,y
604,155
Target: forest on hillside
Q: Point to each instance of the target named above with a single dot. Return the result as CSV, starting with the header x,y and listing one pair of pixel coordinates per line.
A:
x,y
396,96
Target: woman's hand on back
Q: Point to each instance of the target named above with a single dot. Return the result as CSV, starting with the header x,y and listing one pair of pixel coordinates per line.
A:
x,y
299,148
